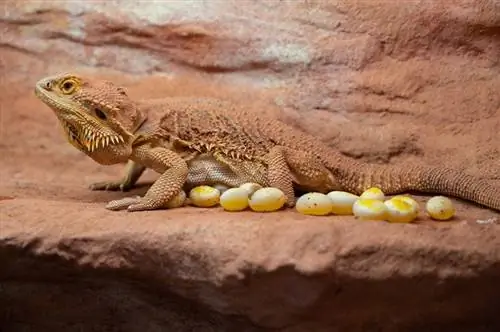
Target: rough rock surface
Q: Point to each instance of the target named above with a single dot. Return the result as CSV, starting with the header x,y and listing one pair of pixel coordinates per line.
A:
x,y
384,81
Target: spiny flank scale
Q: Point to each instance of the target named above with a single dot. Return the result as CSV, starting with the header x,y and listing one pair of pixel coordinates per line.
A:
x,y
208,141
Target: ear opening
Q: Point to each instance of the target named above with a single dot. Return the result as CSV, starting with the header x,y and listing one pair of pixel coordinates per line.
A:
x,y
121,91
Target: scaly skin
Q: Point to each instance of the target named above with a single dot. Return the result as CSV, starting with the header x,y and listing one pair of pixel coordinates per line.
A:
x,y
207,141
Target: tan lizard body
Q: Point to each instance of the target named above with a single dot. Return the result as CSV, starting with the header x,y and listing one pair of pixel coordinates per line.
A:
x,y
211,141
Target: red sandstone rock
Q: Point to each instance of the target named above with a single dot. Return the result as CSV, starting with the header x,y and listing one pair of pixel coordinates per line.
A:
x,y
383,81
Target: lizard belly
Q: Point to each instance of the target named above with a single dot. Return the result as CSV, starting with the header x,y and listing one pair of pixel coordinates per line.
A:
x,y
206,170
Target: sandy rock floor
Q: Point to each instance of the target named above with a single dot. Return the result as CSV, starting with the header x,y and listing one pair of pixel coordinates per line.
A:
x,y
422,88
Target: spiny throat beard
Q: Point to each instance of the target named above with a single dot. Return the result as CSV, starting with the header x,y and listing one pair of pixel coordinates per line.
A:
x,y
88,140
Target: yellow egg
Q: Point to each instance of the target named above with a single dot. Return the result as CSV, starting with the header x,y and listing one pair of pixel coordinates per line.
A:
x,y
234,199
315,204
267,199
399,211
251,187
409,200
342,202
177,201
440,208
204,196
373,193
369,209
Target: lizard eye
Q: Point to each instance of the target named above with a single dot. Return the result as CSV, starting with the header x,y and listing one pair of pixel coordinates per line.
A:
x,y
100,114
68,87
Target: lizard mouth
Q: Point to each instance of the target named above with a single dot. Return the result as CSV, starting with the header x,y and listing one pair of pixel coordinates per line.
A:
x,y
89,140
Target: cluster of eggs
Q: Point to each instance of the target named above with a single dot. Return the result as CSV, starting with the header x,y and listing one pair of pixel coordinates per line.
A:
x,y
373,205
370,205
248,195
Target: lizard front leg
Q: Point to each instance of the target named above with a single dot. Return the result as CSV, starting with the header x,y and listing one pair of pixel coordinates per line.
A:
x,y
173,170
132,173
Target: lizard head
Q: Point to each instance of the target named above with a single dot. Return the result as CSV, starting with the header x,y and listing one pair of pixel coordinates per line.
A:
x,y
97,116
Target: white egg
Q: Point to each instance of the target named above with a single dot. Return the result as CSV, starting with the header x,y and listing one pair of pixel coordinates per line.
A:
x,y
267,199
177,201
440,208
369,209
234,199
410,200
400,211
316,204
373,193
204,196
342,202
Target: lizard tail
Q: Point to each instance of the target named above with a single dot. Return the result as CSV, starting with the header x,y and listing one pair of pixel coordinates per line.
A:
x,y
424,179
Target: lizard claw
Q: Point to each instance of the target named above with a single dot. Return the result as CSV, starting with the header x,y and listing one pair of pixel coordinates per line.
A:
x,y
140,206
124,203
111,186
132,204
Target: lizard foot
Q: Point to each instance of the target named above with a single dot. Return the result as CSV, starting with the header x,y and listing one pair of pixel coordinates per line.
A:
x,y
290,202
122,204
132,204
111,186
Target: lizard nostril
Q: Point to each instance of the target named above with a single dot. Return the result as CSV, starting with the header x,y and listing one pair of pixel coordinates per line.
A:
x,y
48,85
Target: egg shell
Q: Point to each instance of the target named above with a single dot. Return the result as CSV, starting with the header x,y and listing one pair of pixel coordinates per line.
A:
x,y
410,200
342,202
177,201
267,199
400,211
234,199
204,196
440,208
315,204
373,193
369,209
251,187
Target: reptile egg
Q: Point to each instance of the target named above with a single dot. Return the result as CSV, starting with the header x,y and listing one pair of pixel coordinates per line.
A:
x,y
221,187
251,187
409,200
342,202
440,208
369,209
204,196
373,193
399,211
177,201
267,199
234,199
315,204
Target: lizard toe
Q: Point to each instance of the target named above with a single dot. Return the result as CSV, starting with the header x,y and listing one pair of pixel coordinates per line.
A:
x,y
106,186
142,205
124,203
125,187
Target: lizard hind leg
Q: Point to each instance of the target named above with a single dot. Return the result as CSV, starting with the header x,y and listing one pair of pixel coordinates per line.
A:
x,y
288,168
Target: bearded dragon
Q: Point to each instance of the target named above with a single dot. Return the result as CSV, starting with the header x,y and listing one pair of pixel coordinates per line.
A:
x,y
224,143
